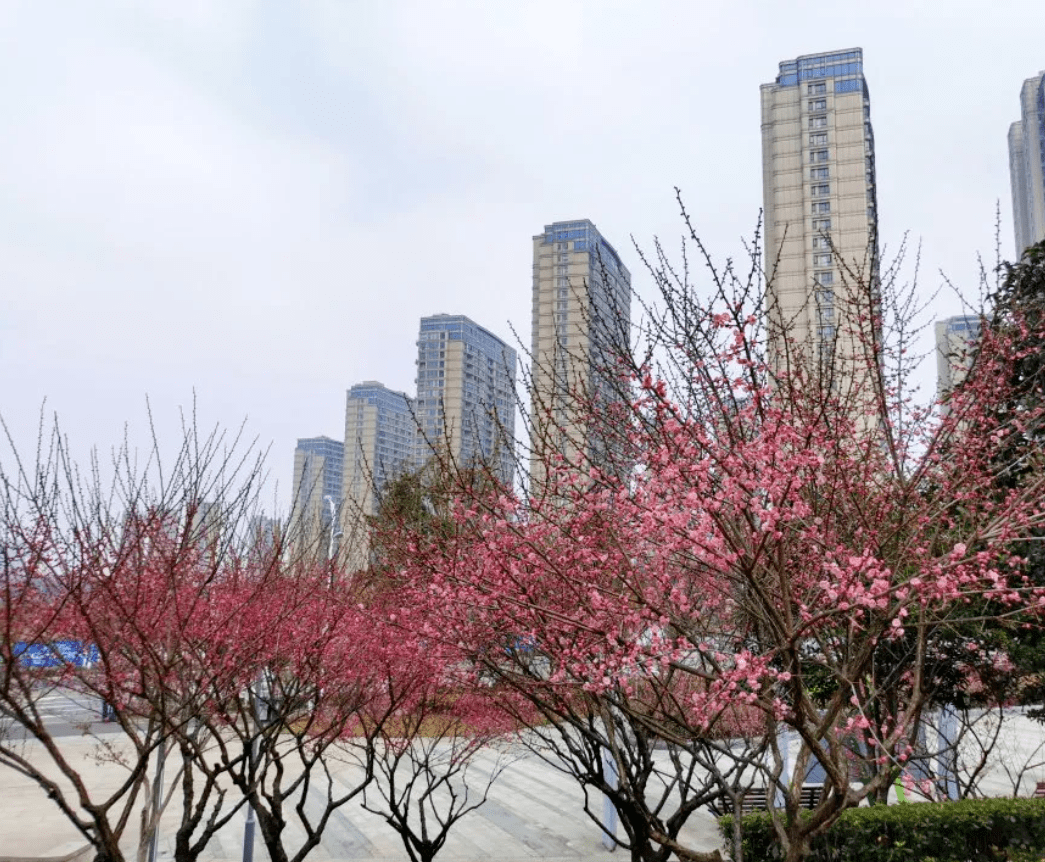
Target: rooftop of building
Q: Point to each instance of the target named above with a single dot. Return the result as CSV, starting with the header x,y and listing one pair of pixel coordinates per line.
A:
x,y
319,442
375,389
450,322
829,64
580,229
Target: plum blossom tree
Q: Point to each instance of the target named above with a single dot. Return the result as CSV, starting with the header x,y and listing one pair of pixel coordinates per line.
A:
x,y
432,725
99,580
784,531
188,622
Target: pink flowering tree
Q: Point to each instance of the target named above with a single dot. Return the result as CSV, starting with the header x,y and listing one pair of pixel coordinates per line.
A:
x,y
241,670
100,579
431,726
775,528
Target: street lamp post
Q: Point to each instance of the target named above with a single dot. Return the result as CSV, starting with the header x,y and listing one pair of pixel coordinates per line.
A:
x,y
335,532
260,704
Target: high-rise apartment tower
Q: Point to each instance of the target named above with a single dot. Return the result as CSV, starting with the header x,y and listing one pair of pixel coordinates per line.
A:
x,y
1027,165
317,494
818,181
956,339
465,394
379,446
581,315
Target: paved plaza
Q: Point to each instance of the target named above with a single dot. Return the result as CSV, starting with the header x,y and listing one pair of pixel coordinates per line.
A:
x,y
534,811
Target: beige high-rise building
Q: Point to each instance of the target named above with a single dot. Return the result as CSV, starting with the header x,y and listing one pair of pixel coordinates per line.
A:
x,y
581,316
465,394
956,339
1027,165
317,496
380,434
821,228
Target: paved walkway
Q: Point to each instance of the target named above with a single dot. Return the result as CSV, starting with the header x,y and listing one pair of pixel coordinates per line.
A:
x,y
534,812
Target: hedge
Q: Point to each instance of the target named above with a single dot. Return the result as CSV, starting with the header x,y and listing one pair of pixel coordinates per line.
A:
x,y
971,829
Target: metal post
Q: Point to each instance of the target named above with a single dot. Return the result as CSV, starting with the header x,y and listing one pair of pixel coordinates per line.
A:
x,y
947,757
609,812
335,533
248,827
157,798
259,698
783,741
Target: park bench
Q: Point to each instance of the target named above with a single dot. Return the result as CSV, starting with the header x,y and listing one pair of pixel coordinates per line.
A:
x,y
811,796
1039,791
754,799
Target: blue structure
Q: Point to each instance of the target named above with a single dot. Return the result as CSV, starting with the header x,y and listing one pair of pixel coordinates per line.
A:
x,y
56,654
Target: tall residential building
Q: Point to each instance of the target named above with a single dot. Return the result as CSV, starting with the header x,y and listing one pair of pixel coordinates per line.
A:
x,y
380,435
818,182
1027,165
956,339
465,393
318,466
581,316
264,535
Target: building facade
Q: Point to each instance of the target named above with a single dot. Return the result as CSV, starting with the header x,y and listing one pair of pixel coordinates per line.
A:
x,y
1027,165
956,339
465,394
581,317
820,204
380,441
318,468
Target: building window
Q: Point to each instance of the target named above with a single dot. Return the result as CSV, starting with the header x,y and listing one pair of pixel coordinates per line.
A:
x,y
817,89
827,333
825,278
821,260
818,105
818,122
821,207
818,155
819,173
818,140
821,189
822,224
821,242
825,297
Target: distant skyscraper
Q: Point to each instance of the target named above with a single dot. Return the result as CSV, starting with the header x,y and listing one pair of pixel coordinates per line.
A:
x,y
818,181
317,493
380,435
264,536
956,339
581,313
1027,165
465,393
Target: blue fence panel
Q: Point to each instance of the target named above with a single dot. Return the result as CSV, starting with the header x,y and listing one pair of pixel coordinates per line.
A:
x,y
56,654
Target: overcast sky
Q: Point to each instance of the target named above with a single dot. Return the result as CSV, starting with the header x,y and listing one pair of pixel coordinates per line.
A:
x,y
256,201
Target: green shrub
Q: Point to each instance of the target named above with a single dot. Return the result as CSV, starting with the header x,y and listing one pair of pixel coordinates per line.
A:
x,y
972,829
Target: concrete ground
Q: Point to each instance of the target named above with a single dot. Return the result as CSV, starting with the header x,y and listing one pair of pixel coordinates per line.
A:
x,y
534,812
